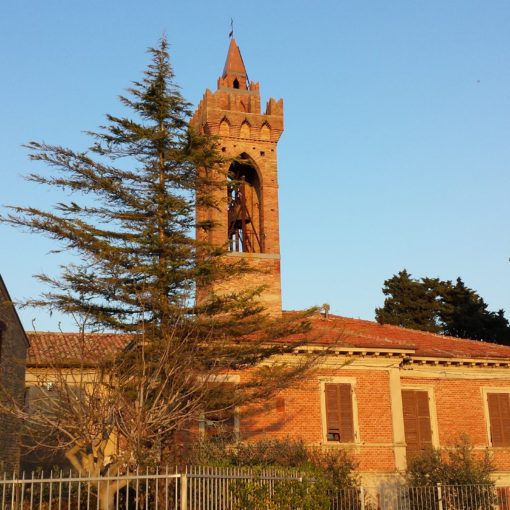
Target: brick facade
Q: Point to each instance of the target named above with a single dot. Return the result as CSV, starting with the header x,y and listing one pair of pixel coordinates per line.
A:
x,y
454,391
233,112
448,379
13,346
378,362
456,395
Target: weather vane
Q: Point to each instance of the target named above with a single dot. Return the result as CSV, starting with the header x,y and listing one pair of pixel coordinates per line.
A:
x,y
231,28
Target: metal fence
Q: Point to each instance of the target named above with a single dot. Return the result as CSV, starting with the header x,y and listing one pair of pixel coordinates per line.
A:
x,y
453,497
348,499
212,488
196,488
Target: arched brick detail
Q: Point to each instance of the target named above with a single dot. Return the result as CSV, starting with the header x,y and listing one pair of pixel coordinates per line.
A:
x,y
245,131
224,127
265,132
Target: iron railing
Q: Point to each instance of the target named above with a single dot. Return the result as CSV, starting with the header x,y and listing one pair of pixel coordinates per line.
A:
x,y
213,488
452,497
195,488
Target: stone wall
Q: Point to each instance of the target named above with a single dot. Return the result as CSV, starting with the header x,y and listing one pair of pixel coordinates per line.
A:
x,y
12,380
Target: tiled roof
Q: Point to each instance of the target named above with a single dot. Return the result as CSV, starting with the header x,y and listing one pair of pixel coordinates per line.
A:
x,y
359,333
344,332
47,348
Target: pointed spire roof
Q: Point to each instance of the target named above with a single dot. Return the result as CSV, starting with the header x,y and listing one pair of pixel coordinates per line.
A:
x,y
234,63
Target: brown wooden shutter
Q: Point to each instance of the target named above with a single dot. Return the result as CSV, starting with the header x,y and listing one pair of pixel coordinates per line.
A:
x,y
417,428
423,412
339,417
499,416
410,421
332,412
346,417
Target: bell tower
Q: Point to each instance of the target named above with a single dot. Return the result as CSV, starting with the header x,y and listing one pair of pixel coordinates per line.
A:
x,y
248,224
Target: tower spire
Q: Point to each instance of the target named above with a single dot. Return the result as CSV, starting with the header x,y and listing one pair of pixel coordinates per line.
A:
x,y
234,68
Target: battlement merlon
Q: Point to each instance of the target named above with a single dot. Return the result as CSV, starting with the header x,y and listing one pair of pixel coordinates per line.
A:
x,y
237,108
230,100
274,107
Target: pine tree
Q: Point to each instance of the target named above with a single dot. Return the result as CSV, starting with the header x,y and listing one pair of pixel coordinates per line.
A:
x,y
465,314
430,304
410,303
134,232
131,221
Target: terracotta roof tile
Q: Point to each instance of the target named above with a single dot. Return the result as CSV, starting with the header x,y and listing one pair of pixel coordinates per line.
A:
x,y
234,63
367,334
50,347
46,348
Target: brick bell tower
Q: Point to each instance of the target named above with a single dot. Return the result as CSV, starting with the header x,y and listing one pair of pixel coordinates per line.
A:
x,y
248,225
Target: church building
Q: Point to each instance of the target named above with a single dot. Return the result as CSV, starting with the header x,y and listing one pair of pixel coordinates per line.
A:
x,y
382,393
385,393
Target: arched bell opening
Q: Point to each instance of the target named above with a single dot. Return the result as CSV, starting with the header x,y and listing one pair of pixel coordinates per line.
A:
x,y
244,208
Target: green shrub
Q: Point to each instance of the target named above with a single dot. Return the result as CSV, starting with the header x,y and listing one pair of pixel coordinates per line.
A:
x,y
455,465
335,466
451,479
308,492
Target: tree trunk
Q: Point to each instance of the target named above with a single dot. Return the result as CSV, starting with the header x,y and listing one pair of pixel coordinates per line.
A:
x,y
106,493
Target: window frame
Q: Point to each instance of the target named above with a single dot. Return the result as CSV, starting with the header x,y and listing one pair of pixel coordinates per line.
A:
x,y
202,423
434,429
485,392
355,423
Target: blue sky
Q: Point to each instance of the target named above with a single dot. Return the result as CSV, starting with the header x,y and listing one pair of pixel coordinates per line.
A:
x,y
396,148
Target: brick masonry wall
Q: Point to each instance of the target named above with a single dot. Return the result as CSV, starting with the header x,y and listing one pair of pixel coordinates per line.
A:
x,y
12,382
461,409
296,413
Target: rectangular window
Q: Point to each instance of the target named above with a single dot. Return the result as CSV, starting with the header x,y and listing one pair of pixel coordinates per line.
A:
x,y
220,419
417,429
339,413
499,417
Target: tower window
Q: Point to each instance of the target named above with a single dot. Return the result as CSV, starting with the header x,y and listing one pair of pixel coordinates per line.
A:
x,y
236,83
244,211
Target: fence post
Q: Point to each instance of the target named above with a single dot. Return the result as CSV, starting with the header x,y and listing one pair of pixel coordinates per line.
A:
x,y
362,496
439,497
184,492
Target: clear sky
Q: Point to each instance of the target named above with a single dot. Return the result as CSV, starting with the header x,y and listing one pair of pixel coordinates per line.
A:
x,y
396,150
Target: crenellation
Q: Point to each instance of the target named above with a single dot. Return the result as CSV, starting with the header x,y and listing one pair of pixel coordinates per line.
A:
x,y
274,107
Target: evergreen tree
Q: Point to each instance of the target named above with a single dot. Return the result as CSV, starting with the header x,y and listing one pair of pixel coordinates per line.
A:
x,y
465,314
430,304
410,303
131,221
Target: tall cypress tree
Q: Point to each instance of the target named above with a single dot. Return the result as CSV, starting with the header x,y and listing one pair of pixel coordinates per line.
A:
x,y
134,233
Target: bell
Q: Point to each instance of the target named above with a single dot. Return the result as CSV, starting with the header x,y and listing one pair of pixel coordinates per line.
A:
x,y
234,216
